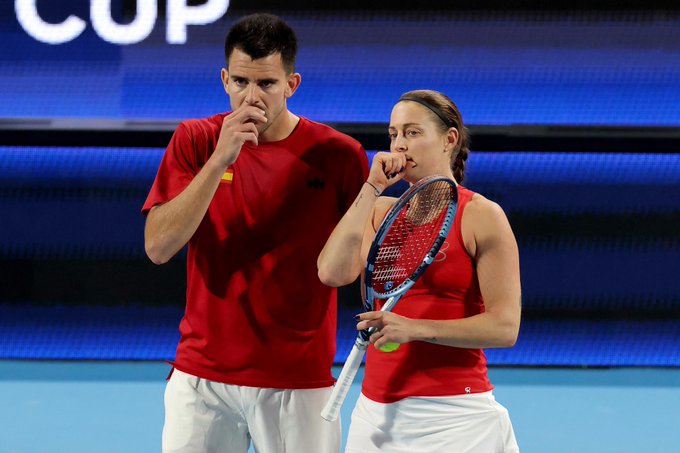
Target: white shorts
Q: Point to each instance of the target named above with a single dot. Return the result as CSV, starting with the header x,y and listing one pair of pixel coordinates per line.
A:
x,y
473,423
206,416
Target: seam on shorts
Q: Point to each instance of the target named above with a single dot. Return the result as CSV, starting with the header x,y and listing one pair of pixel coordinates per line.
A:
x,y
282,441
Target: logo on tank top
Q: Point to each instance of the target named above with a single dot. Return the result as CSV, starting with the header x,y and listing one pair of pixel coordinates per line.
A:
x,y
468,390
441,254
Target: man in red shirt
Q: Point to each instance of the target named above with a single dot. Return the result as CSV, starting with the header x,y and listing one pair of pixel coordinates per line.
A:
x,y
254,193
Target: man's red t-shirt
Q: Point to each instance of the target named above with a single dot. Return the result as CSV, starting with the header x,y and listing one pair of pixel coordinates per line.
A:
x,y
256,313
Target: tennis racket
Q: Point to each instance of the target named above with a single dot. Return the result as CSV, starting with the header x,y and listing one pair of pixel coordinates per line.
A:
x,y
406,242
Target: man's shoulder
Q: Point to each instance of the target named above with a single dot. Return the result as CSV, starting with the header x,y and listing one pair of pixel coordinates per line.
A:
x,y
197,134
330,136
209,123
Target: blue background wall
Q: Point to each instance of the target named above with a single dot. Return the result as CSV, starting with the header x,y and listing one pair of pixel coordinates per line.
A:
x,y
502,68
597,230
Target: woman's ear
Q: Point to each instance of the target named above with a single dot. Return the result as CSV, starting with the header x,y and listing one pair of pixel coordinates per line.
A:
x,y
451,139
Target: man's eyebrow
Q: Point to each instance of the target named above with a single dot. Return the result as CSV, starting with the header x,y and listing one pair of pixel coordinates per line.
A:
x,y
266,79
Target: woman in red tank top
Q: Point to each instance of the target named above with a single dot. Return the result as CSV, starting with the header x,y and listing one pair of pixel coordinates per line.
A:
x,y
433,392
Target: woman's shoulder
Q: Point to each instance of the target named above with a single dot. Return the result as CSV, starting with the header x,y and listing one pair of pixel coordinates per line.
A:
x,y
484,218
482,207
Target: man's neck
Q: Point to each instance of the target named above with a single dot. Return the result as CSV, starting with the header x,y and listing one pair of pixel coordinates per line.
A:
x,y
286,124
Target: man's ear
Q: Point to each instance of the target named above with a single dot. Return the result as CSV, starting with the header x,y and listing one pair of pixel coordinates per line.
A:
x,y
224,74
292,84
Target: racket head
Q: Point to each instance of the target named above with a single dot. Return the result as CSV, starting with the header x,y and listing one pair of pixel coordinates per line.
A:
x,y
409,238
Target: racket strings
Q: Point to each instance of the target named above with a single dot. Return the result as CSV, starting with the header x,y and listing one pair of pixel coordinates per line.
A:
x,y
411,236
428,205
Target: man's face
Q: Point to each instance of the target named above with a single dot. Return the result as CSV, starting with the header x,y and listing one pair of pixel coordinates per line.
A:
x,y
262,83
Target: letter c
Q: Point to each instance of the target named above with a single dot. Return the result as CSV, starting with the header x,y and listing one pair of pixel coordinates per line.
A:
x,y
32,23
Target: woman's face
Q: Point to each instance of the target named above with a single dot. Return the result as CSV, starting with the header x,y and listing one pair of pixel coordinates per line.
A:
x,y
417,132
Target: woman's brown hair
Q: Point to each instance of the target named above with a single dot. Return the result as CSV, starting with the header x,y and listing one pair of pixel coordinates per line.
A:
x,y
446,113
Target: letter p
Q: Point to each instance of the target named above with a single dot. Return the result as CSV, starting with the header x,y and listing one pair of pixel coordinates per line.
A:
x,y
180,15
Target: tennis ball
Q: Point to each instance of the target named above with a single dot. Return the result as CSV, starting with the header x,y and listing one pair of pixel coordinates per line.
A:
x,y
389,347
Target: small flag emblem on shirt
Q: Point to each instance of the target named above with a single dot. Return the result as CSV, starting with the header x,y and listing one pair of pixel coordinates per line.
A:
x,y
228,176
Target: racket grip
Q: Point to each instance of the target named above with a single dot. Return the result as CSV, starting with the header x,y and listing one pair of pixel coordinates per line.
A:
x,y
349,370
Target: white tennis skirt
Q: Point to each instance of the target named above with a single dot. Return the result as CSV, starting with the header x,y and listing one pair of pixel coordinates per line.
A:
x,y
473,423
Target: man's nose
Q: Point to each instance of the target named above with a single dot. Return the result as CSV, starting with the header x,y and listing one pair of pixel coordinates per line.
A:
x,y
252,95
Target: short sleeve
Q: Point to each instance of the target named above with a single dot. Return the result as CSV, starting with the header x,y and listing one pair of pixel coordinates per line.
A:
x,y
177,169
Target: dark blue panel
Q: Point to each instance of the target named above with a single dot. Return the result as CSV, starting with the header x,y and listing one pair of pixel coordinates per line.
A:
x,y
576,183
85,202
502,69
573,342
136,332
89,332
78,167
74,202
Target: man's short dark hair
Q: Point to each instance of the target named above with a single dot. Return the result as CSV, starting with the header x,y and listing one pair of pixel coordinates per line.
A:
x,y
260,35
